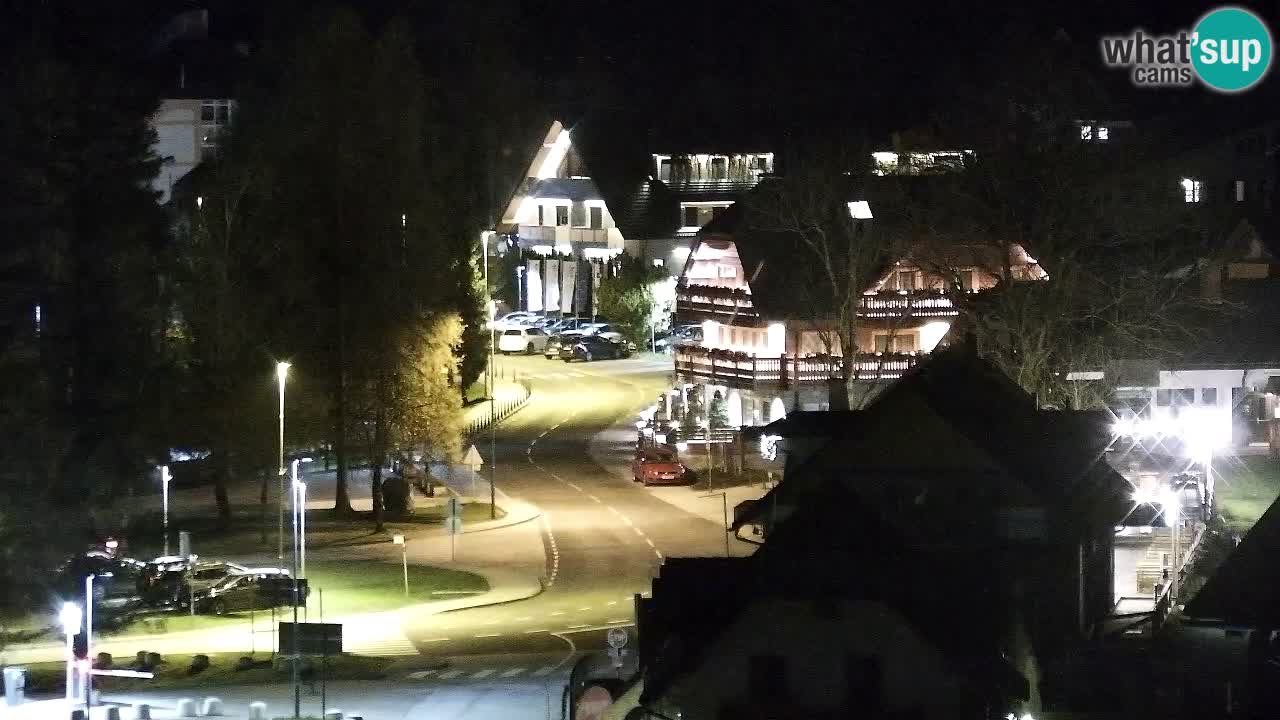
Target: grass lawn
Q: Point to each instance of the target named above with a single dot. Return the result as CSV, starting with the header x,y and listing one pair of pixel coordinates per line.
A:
x,y
1246,487
174,672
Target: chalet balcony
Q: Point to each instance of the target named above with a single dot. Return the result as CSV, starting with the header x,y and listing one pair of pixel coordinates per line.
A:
x,y
695,303
562,235
739,370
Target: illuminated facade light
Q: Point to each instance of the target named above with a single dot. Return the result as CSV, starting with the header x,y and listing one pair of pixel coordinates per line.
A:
x,y
564,249
681,252
1191,190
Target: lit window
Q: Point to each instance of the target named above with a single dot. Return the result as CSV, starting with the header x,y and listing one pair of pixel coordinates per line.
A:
x,y
657,262
1104,133
1209,396
860,210
215,116
1239,191
1086,132
1191,190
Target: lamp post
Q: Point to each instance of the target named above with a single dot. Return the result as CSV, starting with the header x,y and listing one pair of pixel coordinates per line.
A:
x,y
493,431
404,559
70,619
520,304
164,485
88,642
297,542
299,521
282,372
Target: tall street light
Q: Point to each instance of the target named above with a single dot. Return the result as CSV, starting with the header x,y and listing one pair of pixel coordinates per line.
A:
x,y
282,372
164,484
493,431
88,643
69,617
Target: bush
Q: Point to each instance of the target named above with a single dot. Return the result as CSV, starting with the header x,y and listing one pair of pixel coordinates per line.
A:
x,y
244,663
397,496
104,661
199,663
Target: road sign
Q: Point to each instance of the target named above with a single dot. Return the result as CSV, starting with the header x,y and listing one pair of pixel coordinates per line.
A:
x,y
313,638
617,638
453,525
472,458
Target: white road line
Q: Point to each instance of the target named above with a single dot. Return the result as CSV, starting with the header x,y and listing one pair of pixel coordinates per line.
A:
x,y
627,520
584,609
544,670
420,674
612,602
615,622
482,674
638,531
558,612
650,541
512,672
575,487
537,630
450,674
593,497
614,510
436,640
487,635
526,618
578,627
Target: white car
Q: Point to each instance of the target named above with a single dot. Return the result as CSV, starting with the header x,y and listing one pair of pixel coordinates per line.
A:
x,y
517,319
528,340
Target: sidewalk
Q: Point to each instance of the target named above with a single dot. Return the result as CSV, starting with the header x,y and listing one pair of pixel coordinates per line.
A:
x,y
613,449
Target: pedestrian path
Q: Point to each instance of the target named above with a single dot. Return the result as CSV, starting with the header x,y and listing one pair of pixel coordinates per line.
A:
x,y
483,673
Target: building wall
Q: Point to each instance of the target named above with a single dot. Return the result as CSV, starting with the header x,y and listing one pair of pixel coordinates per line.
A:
x,y
177,126
1211,422
814,648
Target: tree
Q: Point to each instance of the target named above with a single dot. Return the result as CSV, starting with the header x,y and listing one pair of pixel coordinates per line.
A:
x,y
628,298
826,258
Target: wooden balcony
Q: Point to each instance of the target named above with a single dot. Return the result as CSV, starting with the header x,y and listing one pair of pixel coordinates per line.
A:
x,y
897,304
745,371
695,303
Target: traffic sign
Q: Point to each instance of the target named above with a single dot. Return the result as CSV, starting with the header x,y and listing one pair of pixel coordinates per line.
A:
x,y
472,458
617,638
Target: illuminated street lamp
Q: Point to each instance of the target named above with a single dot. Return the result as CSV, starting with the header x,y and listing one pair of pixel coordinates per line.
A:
x,y
164,485
282,372
493,431
69,617
299,522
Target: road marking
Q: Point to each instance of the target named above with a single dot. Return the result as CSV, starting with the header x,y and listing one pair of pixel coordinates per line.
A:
x,y
638,531
558,612
491,622
449,675
650,541
420,674
612,602
487,635
578,627
615,622
627,520
584,609
526,618
544,670
593,497
614,510
436,640
482,674
538,630
512,672
575,487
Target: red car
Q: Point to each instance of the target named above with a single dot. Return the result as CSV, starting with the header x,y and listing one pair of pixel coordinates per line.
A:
x,y
657,466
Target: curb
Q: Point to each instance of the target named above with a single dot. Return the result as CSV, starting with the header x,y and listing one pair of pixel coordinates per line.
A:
x,y
542,587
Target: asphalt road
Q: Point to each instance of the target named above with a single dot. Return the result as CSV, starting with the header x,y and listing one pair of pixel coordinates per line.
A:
x,y
605,536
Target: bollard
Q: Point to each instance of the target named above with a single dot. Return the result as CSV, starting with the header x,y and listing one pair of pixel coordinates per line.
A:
x,y
186,708
113,713
257,711
212,707
143,712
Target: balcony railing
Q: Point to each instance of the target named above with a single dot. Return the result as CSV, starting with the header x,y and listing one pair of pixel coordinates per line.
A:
x,y
918,303
561,234
705,302
748,371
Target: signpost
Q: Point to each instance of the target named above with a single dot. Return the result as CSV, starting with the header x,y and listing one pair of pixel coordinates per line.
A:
x,y
473,461
404,557
617,639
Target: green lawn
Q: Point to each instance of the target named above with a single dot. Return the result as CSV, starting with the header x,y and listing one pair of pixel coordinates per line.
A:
x,y
173,672
1245,488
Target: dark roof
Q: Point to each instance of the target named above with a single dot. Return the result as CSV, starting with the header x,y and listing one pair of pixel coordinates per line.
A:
x,y
1245,589
576,189
1242,332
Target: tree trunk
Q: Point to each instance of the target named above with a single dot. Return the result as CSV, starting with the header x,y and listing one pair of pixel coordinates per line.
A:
x,y
222,471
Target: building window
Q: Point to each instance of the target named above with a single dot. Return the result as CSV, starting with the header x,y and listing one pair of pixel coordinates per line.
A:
x,y
664,170
215,116
1191,190
1164,397
597,217
691,217
658,262
1239,191
1209,396
1104,133
895,343
579,215
719,168
906,280
541,213
562,215
967,279
1184,396
727,271
1086,132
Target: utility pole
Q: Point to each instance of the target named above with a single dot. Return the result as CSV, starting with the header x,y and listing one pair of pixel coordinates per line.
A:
x,y
493,431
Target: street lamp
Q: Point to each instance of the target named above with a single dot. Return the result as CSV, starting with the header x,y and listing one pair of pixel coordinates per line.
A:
x,y
88,643
299,522
299,489
70,619
282,372
404,559
493,431
164,484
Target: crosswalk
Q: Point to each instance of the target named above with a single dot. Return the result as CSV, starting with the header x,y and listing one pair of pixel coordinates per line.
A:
x,y
487,673
398,647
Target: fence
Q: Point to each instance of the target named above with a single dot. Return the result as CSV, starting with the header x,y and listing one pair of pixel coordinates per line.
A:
x,y
502,409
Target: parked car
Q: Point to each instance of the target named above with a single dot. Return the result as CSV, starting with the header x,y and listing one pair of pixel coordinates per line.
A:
x,y
564,324
528,340
657,466
248,591
517,319
592,347
551,350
